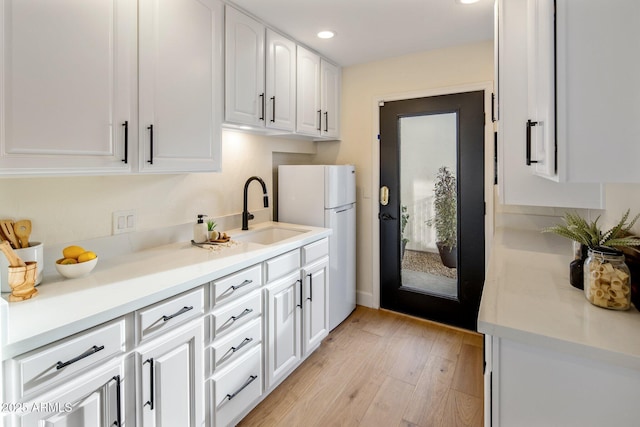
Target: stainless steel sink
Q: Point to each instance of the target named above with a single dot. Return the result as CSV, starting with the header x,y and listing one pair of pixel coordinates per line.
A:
x,y
269,235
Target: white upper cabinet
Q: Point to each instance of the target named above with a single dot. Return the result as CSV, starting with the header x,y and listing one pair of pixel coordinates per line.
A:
x,y
519,184
330,99
318,97
180,85
244,69
68,73
598,92
280,82
260,75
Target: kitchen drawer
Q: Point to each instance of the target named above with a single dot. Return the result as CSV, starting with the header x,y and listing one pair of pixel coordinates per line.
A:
x,y
283,264
237,284
230,317
237,388
41,368
315,251
229,348
163,316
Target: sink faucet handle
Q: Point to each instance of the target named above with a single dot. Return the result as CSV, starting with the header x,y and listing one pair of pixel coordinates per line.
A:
x,y
250,215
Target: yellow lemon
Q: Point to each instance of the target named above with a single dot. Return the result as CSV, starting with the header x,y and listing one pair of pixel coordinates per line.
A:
x,y
72,252
87,256
65,261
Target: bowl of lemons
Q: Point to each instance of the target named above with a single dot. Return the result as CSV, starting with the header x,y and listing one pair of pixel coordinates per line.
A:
x,y
76,262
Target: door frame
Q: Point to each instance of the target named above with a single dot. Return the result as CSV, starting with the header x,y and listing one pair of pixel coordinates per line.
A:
x,y
487,87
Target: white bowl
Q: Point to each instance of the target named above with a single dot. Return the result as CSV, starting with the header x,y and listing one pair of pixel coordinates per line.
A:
x,y
72,271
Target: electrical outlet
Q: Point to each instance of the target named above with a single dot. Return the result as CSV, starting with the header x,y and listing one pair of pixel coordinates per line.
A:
x,y
124,221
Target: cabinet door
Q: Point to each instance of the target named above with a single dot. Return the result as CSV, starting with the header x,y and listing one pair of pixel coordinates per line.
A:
x,y
95,399
280,82
308,93
180,85
284,334
330,99
541,95
518,184
244,69
67,71
598,91
316,304
172,379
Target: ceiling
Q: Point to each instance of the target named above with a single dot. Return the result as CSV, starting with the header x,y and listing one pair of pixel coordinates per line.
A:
x,y
370,30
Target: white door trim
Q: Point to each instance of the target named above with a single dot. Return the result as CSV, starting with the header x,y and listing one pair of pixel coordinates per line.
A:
x,y
487,87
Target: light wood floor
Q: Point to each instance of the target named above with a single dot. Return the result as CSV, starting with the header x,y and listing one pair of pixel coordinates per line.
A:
x,y
382,369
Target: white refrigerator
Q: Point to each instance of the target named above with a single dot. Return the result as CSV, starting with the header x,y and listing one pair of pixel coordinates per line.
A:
x,y
325,196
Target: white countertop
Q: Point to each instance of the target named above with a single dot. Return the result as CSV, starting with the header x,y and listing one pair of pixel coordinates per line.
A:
x,y
124,283
527,297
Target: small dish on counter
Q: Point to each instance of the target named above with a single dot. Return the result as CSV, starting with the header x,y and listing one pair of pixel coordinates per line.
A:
x,y
73,271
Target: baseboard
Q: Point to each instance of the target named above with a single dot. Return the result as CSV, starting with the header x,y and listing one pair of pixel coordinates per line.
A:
x,y
364,299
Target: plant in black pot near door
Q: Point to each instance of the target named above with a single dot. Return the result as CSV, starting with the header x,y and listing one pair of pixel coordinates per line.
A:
x,y
445,218
589,235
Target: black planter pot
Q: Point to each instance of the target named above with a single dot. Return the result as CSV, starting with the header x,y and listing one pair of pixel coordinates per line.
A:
x,y
576,272
449,256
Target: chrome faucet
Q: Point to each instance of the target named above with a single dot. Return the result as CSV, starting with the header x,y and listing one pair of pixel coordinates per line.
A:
x,y
246,215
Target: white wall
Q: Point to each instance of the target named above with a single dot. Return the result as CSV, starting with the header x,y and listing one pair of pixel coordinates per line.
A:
x,y
68,209
364,83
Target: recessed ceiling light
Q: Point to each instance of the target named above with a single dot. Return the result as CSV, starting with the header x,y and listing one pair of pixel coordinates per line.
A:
x,y
467,1
327,34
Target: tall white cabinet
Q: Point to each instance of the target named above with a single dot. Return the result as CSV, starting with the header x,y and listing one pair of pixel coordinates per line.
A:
x,y
180,85
68,78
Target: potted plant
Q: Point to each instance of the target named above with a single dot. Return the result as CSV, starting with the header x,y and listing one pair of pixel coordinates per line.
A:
x,y
589,235
445,218
404,219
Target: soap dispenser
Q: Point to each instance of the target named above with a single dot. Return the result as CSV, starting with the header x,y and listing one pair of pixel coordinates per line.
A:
x,y
200,230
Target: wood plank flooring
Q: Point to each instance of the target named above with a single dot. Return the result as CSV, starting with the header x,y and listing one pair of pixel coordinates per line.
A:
x,y
380,368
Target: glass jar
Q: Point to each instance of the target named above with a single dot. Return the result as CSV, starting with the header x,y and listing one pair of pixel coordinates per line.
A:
x,y
606,279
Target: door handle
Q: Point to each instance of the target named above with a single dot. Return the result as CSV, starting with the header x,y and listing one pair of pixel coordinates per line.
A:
x,y
384,195
386,217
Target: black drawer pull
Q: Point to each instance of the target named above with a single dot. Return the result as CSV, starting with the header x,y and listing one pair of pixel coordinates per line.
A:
x,y
310,297
245,283
273,112
150,128
530,124
126,142
177,313
326,121
319,119
300,305
241,315
87,353
118,421
242,344
251,379
151,385
262,103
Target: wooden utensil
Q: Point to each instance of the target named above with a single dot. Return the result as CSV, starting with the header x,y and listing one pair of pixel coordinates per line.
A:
x,y
22,230
12,257
7,229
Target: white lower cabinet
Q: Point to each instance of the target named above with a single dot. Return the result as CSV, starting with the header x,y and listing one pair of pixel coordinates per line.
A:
x,y
316,304
93,399
170,373
284,311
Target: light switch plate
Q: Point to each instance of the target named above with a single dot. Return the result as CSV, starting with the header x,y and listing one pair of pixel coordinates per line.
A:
x,y
124,221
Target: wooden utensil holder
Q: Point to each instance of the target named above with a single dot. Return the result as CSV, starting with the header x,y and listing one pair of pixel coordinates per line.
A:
x,y
22,281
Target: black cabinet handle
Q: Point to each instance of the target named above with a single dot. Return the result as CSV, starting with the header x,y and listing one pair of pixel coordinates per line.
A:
x,y
319,119
87,353
150,161
118,421
530,124
177,313
273,110
245,283
300,305
151,385
249,380
242,344
326,121
262,104
126,142
493,107
310,276
241,315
